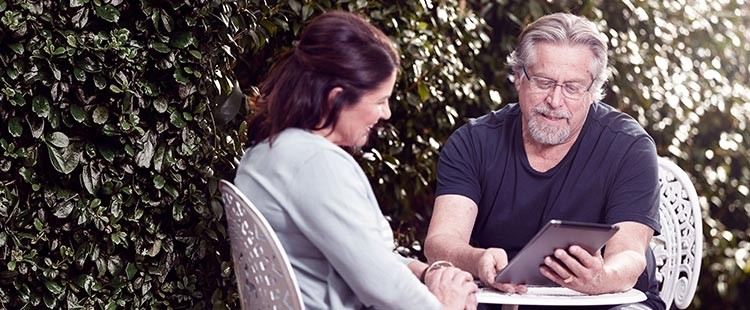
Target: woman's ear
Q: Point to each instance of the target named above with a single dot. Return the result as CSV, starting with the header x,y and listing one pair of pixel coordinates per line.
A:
x,y
332,95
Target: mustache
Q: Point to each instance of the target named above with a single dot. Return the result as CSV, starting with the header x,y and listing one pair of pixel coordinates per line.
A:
x,y
551,113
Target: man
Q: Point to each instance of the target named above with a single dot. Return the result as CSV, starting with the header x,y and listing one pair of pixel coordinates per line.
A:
x,y
559,153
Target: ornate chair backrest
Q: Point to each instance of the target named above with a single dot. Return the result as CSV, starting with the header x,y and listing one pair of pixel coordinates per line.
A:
x,y
264,275
679,248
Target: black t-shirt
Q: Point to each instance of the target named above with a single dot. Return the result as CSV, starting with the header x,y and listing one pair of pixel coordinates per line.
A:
x,y
609,175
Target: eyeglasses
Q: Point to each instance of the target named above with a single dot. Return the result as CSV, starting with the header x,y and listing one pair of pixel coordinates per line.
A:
x,y
542,85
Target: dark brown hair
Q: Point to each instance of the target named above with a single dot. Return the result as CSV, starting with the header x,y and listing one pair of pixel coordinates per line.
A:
x,y
337,49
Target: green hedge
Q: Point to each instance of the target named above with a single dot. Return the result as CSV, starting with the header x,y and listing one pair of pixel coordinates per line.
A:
x,y
121,117
109,152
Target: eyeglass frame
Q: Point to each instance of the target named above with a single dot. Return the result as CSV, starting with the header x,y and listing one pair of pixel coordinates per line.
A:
x,y
556,83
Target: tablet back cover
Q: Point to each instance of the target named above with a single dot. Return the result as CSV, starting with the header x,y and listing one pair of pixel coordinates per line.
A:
x,y
556,234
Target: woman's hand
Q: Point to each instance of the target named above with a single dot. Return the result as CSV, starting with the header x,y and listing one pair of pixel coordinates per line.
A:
x,y
453,287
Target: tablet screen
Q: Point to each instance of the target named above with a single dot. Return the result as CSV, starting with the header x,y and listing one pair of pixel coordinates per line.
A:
x,y
556,234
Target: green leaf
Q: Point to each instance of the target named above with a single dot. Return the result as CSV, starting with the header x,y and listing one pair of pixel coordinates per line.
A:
x,y
115,89
179,77
161,47
90,178
160,104
36,124
182,40
58,51
166,21
307,11
77,3
196,54
100,82
15,127
38,224
155,248
40,106
58,139
53,287
100,115
18,100
50,301
107,152
81,18
423,92
130,270
143,158
159,182
176,119
108,12
79,74
56,73
65,160
64,210
78,113
16,48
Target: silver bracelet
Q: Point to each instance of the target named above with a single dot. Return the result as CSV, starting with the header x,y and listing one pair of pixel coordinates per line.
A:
x,y
434,266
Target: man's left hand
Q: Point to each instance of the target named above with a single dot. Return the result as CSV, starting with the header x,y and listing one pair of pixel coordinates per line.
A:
x,y
576,269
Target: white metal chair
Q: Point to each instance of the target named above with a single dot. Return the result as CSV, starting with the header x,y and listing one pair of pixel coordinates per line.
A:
x,y
265,278
679,248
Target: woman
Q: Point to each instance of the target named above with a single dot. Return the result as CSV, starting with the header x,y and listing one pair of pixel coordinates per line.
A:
x,y
329,92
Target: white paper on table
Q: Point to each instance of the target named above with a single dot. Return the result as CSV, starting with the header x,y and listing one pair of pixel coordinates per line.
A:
x,y
557,296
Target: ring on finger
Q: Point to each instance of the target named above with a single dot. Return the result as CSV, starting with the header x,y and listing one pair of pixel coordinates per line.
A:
x,y
568,279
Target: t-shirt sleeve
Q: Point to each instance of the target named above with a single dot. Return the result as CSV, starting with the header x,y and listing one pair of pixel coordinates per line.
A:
x,y
335,214
635,192
458,171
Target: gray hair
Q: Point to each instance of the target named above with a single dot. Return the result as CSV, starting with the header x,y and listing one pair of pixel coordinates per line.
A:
x,y
564,29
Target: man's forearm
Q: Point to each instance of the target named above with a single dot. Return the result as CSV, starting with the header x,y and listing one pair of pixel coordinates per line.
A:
x,y
621,270
458,252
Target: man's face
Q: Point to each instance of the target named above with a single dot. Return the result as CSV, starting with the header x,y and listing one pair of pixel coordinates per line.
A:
x,y
552,114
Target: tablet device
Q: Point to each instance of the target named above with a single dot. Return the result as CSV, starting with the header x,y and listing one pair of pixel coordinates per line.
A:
x,y
556,234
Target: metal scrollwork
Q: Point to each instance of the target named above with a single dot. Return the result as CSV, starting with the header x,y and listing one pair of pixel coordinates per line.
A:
x,y
679,248
264,274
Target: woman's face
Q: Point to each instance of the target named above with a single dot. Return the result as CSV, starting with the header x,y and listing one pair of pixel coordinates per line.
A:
x,y
356,121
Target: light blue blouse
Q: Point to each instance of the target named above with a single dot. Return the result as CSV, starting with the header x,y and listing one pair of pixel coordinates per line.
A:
x,y
321,205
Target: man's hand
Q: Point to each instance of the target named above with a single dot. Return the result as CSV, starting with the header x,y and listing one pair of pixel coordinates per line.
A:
x,y
490,262
616,270
576,269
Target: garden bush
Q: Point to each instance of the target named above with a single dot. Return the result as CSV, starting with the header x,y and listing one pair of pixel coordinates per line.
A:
x,y
110,152
119,118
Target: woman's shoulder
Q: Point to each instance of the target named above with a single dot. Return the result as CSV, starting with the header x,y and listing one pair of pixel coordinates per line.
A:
x,y
296,148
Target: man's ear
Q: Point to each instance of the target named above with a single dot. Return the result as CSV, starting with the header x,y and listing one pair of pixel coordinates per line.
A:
x,y
517,80
332,95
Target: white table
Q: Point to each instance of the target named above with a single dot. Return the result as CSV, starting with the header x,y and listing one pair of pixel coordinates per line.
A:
x,y
557,296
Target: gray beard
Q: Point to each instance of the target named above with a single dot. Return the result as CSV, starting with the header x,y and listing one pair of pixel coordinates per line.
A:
x,y
546,134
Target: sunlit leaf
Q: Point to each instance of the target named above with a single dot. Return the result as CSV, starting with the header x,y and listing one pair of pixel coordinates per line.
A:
x,y
65,160
59,139
40,105
100,115
64,209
